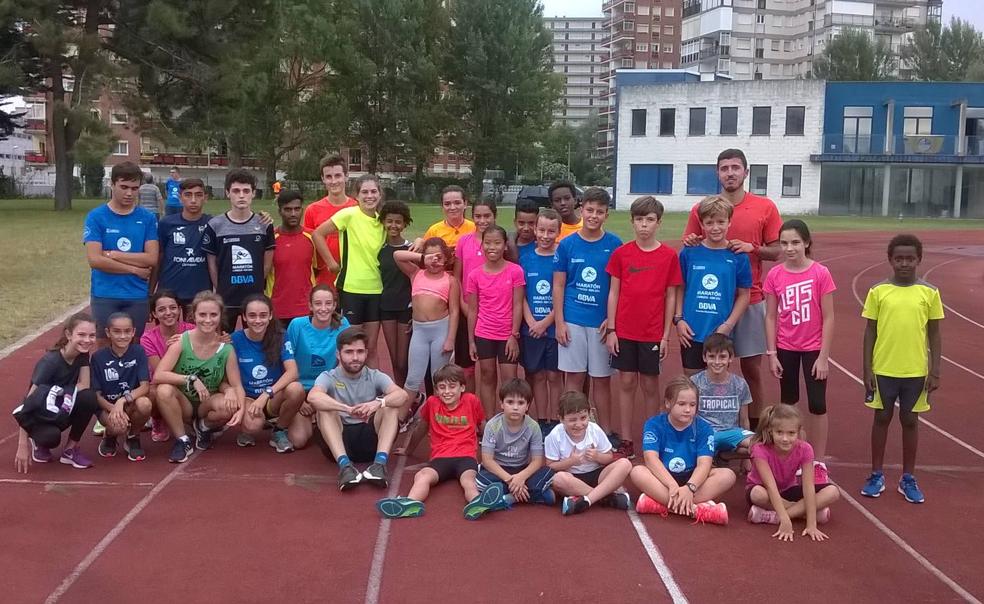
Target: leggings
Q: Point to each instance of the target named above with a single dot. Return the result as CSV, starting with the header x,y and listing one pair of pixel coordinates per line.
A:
x,y
48,432
789,385
426,344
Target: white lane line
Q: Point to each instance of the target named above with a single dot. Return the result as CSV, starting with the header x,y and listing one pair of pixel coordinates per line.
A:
x,y
899,541
382,540
930,424
74,483
950,308
676,594
8,437
115,532
27,339
866,465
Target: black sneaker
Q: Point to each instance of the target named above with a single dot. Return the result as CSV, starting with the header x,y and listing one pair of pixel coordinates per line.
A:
x,y
348,477
181,450
574,505
619,501
375,475
203,436
108,446
134,448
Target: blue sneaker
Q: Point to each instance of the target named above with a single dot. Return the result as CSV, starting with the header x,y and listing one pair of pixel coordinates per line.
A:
x,y
874,486
910,490
490,500
180,451
400,507
547,497
203,435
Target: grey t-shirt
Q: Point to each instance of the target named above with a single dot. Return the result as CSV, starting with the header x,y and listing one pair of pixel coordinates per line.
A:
x,y
512,449
150,197
369,384
720,404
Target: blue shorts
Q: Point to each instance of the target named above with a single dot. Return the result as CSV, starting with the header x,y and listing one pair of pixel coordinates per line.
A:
x,y
538,354
728,440
102,308
537,483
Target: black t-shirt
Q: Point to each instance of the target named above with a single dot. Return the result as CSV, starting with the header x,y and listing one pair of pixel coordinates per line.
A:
x,y
239,248
53,370
396,285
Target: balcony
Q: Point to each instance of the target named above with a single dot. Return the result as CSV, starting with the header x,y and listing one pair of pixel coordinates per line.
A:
x,y
715,52
894,24
610,4
33,157
913,148
35,125
195,160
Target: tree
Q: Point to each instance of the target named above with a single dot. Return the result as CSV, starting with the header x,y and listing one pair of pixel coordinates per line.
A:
x,y
574,147
19,68
939,53
500,81
853,56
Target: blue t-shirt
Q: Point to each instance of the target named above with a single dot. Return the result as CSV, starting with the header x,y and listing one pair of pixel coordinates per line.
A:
x,y
586,290
678,449
184,269
123,233
173,194
539,285
314,349
711,279
113,375
253,370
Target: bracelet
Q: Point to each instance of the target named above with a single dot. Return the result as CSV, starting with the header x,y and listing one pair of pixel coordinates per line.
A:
x,y
771,353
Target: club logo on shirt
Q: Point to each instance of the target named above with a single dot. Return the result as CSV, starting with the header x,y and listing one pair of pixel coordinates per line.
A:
x,y
259,372
589,274
241,257
709,281
317,361
676,465
179,238
190,251
543,287
111,374
123,244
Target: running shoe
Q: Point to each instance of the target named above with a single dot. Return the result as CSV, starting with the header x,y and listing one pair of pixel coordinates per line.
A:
x,y
98,429
647,505
40,454
280,441
574,505
874,486
619,501
375,475
134,448
203,435
492,499
400,507
823,516
410,421
245,440
910,490
348,477
545,497
76,458
181,450
159,432
108,446
759,515
820,475
711,513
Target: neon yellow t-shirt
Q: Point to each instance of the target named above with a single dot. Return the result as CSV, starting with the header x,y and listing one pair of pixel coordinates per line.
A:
x,y
360,239
903,313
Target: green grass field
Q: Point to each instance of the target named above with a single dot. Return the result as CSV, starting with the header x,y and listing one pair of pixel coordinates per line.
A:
x,y
44,270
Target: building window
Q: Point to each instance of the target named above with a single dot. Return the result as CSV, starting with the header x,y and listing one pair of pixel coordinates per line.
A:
x,y
857,130
355,158
761,121
698,121
117,117
917,120
667,48
669,12
121,148
761,4
760,19
642,47
668,30
729,121
758,179
667,122
638,122
791,180
795,121
650,179
702,180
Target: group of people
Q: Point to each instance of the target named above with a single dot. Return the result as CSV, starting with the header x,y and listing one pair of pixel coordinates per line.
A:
x,y
460,309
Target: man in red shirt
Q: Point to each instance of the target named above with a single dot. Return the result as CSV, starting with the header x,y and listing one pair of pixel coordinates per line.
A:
x,y
294,262
754,231
334,174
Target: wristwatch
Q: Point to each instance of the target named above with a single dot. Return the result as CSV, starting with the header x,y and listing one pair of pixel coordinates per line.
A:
x,y
269,392
677,319
692,487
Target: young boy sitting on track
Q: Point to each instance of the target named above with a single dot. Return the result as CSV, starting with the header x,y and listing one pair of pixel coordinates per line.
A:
x,y
512,449
724,397
452,417
579,451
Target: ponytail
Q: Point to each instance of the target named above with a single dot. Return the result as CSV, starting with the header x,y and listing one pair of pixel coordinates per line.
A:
x,y
775,413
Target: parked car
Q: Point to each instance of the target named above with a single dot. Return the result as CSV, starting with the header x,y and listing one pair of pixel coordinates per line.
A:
x,y
538,194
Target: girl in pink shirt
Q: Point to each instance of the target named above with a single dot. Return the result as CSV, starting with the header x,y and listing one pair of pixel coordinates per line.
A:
x,y
778,455
468,256
494,294
799,329
168,326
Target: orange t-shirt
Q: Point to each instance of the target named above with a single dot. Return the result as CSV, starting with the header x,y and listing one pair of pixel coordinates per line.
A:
x,y
314,216
569,229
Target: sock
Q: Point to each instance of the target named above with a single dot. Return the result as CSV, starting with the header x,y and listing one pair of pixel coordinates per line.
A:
x,y
382,458
343,461
588,500
184,438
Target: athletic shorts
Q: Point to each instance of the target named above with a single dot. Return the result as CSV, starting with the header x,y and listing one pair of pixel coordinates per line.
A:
x,y
637,357
749,332
907,391
789,384
359,308
538,354
492,349
728,440
585,352
452,467
793,493
359,440
102,308
590,478
682,478
462,357
400,316
693,357
538,482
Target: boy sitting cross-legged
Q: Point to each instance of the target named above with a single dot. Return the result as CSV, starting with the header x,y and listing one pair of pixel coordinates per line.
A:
x,y
512,449
579,451
724,397
452,417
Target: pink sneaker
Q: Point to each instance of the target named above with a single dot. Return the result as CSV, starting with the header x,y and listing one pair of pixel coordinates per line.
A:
x,y
648,505
757,515
159,432
823,516
713,513
820,475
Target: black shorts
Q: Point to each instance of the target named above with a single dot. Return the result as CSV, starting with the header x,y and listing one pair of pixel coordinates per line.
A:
x,y
491,349
639,357
789,385
794,493
462,356
904,390
693,357
682,478
590,478
359,440
538,354
452,467
400,316
359,308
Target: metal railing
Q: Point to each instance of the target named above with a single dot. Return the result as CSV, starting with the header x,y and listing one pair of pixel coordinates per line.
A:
x,y
903,144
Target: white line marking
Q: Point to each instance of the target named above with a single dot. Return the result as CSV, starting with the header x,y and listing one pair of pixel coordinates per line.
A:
x,y
382,540
676,594
866,465
841,256
74,483
27,339
950,308
899,541
115,532
8,437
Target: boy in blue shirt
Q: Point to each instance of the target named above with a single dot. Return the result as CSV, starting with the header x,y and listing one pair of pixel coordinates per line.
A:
x,y
172,205
716,284
183,268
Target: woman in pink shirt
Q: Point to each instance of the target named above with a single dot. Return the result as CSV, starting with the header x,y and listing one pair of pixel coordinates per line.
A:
x,y
799,329
468,256
494,293
168,327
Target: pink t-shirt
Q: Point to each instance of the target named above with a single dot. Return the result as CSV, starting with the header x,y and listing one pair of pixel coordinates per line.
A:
x,y
799,326
155,345
783,468
495,299
469,254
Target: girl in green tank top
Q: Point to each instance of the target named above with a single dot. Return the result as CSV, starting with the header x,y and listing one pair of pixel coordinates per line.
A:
x,y
210,371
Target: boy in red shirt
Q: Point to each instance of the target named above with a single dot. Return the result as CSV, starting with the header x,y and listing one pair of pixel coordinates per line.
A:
x,y
453,417
645,277
334,175
294,262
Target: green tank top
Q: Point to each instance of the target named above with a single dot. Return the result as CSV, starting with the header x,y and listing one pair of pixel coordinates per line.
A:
x,y
210,371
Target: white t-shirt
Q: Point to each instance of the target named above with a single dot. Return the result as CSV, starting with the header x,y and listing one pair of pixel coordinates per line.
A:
x,y
558,445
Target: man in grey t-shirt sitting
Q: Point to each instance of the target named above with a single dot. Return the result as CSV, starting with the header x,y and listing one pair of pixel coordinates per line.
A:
x,y
358,412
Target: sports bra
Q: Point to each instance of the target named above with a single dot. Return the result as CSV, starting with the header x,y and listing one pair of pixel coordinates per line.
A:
x,y
440,287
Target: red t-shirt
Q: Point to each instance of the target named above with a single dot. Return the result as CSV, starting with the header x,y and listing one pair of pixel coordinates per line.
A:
x,y
453,433
643,279
289,282
318,213
755,220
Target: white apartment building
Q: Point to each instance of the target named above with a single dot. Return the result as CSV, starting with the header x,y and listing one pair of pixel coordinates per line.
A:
x,y
580,55
670,134
773,39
